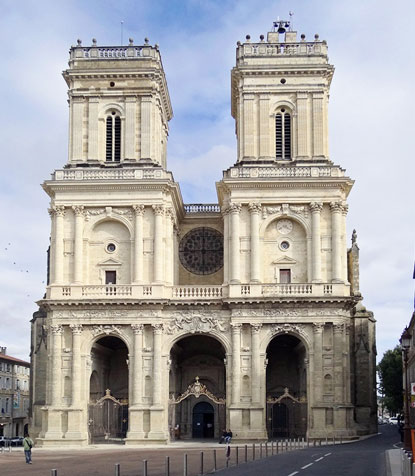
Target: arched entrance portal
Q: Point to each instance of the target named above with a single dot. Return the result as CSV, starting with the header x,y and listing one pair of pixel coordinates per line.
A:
x,y
203,420
286,387
108,391
197,388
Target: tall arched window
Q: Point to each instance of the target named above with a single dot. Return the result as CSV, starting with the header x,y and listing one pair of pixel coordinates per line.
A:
x,y
113,140
283,134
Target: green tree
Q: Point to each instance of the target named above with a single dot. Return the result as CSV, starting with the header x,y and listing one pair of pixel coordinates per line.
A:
x,y
390,376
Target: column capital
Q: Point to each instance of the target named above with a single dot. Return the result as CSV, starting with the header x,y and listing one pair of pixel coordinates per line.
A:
x,y
78,210
345,209
318,327
137,328
235,208
236,327
338,328
316,207
255,328
56,329
157,328
57,210
254,207
138,210
336,207
76,329
158,209
170,214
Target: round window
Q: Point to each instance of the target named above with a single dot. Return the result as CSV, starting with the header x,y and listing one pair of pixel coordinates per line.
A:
x,y
111,247
201,250
284,245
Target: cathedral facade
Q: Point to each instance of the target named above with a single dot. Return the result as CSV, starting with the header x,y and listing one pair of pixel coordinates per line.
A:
x,y
164,320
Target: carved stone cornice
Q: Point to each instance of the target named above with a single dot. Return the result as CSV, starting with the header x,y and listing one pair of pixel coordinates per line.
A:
x,y
76,329
316,207
138,210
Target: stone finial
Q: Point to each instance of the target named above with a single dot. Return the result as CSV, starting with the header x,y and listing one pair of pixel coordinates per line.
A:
x,y
248,38
146,40
130,41
316,37
156,46
261,37
94,41
238,43
79,41
354,237
302,36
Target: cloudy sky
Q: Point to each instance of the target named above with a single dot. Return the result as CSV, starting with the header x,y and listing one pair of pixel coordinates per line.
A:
x,y
371,124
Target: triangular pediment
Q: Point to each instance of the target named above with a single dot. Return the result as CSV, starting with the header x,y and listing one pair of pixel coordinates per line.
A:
x,y
110,262
285,260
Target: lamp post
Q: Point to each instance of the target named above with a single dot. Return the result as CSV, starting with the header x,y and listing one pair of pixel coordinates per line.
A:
x,y
405,341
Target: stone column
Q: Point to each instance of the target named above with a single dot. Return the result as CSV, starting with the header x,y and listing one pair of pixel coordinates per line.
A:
x,y
76,365
316,208
146,127
56,366
76,422
339,389
157,371
93,103
255,364
138,243
336,253
79,243
130,119
249,127
302,124
318,125
236,363
158,252
170,220
77,128
234,210
264,129
345,278
255,210
346,365
137,394
225,215
318,362
59,212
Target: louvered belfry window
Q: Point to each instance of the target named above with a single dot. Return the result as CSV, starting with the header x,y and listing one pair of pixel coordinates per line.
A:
x,y
283,135
113,138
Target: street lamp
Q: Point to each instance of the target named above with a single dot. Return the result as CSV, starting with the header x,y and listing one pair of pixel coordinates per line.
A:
x,y
405,341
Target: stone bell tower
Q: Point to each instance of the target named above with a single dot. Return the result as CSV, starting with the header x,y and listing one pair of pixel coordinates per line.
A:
x,y
280,90
119,105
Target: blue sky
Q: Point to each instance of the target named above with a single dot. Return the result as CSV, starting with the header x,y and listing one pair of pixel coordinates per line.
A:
x,y
371,124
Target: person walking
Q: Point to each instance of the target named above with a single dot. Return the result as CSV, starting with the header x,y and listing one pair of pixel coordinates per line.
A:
x,y
27,446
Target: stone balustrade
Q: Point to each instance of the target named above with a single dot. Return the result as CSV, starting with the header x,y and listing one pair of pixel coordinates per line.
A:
x,y
318,48
191,293
113,52
283,171
111,174
202,208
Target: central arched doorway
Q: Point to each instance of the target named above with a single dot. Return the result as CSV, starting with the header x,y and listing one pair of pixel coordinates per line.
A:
x,y
286,384
203,424
108,391
197,388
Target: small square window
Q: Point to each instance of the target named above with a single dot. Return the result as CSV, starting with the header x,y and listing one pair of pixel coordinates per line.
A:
x,y
285,276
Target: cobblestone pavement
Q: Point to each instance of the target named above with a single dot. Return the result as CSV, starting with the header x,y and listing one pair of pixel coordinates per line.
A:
x,y
101,461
